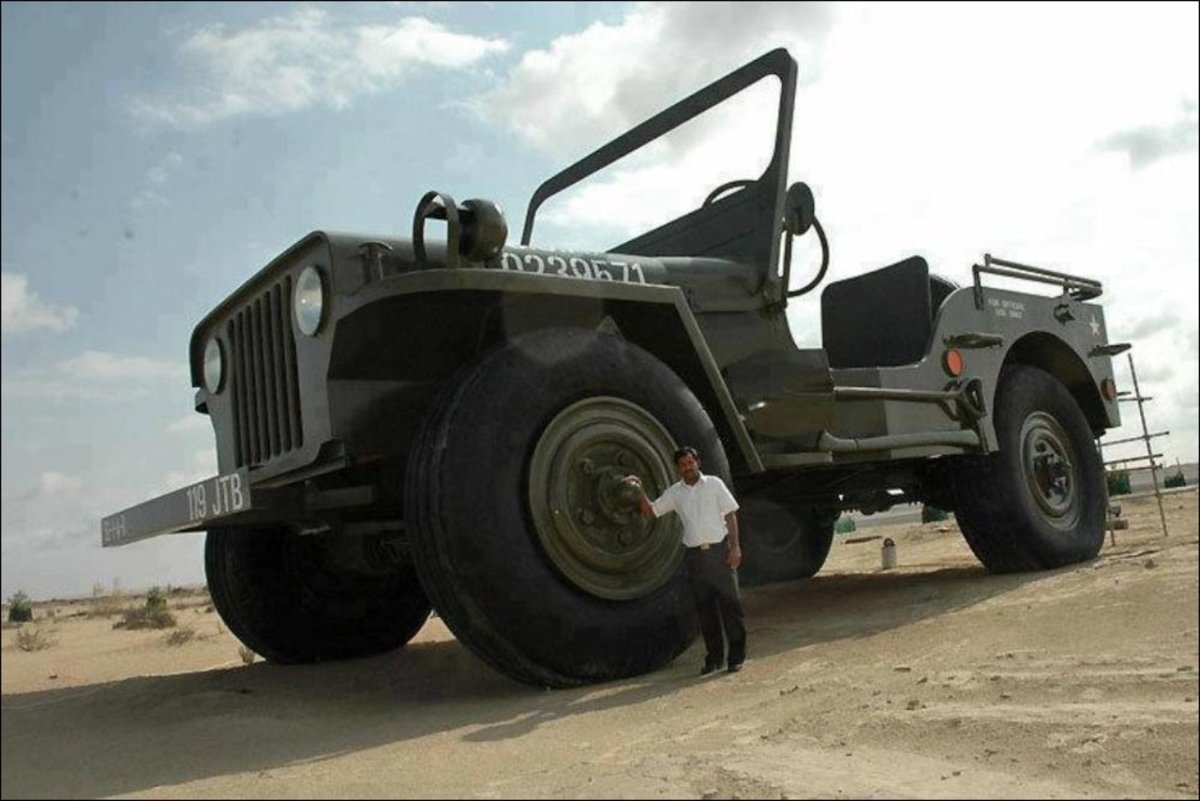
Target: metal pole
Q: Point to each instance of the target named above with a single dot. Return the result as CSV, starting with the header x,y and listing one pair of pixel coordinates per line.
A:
x,y
1108,518
1162,516
1135,439
1133,458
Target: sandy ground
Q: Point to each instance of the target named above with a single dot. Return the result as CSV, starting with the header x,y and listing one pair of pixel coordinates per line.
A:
x,y
933,680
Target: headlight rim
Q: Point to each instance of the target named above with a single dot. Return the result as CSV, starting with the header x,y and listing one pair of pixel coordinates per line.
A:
x,y
302,315
214,386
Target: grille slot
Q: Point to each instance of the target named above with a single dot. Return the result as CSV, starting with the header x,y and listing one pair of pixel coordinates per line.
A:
x,y
263,378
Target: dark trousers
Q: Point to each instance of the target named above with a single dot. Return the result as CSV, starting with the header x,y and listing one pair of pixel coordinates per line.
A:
x,y
715,590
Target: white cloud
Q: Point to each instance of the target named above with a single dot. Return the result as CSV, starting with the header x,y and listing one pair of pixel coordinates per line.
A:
x,y
1152,324
96,376
586,87
53,485
300,60
22,311
59,391
578,92
149,193
103,366
47,514
630,198
1146,144
190,424
51,542
201,465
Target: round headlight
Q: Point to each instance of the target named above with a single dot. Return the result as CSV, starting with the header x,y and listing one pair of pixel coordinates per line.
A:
x,y
309,300
214,366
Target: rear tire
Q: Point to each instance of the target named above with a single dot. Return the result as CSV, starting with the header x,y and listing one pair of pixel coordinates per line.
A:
x,y
781,542
281,595
516,452
1038,502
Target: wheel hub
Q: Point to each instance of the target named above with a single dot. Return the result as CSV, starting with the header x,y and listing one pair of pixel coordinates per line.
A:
x,y
585,516
1049,465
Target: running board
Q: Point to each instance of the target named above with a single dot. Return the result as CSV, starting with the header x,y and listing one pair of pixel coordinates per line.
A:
x,y
830,444
963,439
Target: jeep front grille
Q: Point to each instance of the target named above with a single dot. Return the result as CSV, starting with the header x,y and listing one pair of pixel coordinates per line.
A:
x,y
265,389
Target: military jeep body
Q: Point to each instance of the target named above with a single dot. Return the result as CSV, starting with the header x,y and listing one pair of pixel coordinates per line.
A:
x,y
404,425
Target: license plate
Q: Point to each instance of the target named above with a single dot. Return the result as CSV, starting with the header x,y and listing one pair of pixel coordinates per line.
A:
x,y
185,509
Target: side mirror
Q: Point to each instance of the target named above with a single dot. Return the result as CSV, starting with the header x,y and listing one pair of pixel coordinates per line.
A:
x,y
799,209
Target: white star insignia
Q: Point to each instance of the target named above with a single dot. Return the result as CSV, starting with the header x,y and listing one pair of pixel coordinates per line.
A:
x,y
1095,327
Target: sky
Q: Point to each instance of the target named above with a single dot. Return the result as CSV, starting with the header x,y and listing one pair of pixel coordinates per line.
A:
x,y
155,155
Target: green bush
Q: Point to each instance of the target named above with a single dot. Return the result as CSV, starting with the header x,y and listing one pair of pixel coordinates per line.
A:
x,y
1118,482
932,514
146,618
845,525
20,608
31,638
156,599
1176,480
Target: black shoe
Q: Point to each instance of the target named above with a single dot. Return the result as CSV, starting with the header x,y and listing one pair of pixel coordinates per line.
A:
x,y
710,667
734,667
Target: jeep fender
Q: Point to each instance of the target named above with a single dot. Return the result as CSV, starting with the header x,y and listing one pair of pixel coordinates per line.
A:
x,y
414,330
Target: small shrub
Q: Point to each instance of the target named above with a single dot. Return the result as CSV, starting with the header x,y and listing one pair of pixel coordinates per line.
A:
x,y
1176,480
182,635
845,525
145,618
107,606
156,599
31,638
104,603
932,514
1118,482
20,608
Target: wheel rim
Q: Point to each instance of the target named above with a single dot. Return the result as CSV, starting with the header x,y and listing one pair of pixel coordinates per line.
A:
x,y
1051,470
586,519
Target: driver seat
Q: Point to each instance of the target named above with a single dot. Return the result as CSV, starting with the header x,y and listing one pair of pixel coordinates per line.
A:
x,y
883,318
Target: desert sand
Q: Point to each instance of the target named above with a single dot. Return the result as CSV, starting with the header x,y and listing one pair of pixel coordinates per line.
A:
x,y
933,680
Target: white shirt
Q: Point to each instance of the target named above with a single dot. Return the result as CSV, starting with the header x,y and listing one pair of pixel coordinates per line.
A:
x,y
701,506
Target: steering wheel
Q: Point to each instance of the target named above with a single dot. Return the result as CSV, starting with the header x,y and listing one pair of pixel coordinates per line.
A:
x,y
741,183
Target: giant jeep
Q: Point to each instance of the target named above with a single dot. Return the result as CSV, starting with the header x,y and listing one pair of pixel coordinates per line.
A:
x,y
405,424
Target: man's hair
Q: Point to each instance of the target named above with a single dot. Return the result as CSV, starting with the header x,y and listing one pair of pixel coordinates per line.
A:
x,y
686,450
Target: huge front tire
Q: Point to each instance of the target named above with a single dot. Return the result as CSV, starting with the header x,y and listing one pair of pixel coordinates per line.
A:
x,y
526,540
1038,502
781,541
287,599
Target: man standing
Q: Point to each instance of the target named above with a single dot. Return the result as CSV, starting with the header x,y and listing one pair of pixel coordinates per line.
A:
x,y
710,535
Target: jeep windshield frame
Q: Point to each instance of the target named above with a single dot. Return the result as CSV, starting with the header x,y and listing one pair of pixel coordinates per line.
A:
x,y
744,225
